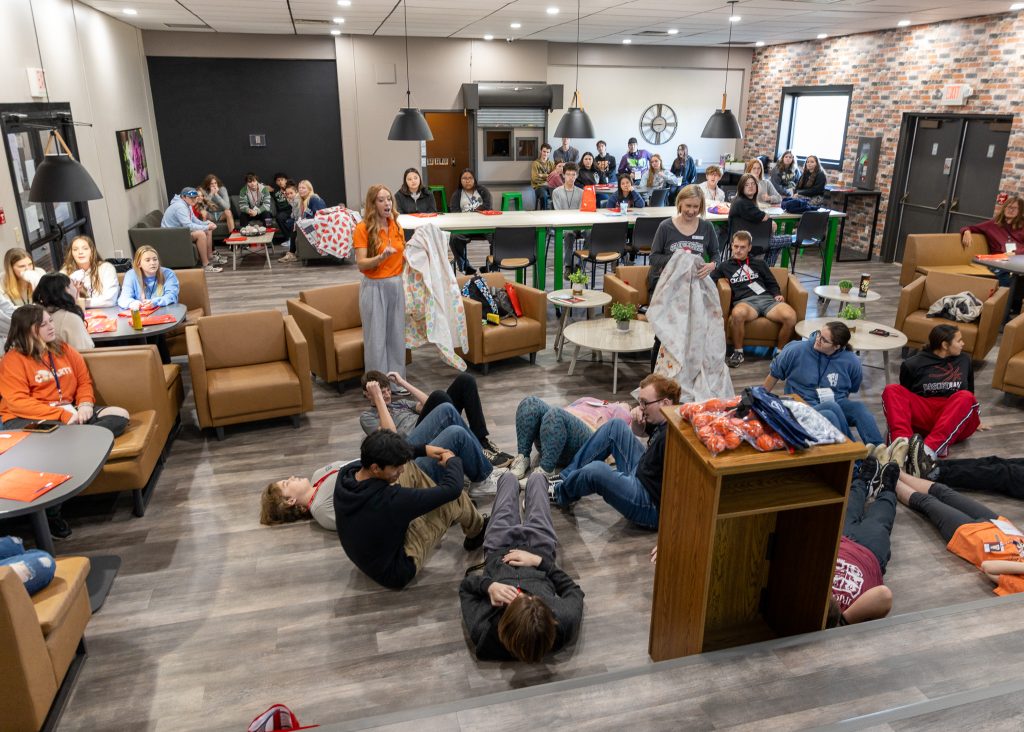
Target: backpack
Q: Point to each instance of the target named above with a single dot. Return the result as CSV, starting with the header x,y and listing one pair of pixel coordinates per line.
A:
x,y
774,413
476,289
797,205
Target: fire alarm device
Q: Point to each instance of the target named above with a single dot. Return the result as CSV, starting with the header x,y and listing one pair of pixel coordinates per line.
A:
x,y
3,216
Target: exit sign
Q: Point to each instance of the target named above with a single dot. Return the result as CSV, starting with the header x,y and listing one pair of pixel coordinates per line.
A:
x,y
955,95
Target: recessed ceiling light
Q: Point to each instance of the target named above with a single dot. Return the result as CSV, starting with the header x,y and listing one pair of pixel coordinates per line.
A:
x,y
344,3
515,25
627,41
335,32
552,10
822,36
903,23
735,18
488,37
759,44
338,21
673,31
130,11
1017,6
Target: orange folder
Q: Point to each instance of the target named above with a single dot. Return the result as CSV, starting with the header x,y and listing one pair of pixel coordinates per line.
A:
x,y
19,484
10,439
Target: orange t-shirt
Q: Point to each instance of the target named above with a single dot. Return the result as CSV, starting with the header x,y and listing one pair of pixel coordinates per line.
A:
x,y
391,266
985,540
30,391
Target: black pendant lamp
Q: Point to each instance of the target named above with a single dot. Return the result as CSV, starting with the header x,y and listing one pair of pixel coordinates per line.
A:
x,y
409,124
575,122
723,123
61,178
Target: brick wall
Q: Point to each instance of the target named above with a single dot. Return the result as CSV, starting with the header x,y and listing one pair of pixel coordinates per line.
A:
x,y
894,72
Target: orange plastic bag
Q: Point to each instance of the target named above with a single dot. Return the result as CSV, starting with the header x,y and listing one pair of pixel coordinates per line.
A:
x,y
589,199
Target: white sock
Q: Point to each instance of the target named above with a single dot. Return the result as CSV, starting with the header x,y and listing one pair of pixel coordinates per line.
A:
x,y
931,453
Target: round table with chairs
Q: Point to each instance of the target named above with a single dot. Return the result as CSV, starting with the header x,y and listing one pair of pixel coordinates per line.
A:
x,y
862,338
567,300
603,334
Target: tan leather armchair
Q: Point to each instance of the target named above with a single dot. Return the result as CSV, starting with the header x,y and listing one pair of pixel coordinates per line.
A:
x,y
329,320
490,343
915,299
247,367
41,644
628,285
195,296
133,377
763,332
1009,372
924,253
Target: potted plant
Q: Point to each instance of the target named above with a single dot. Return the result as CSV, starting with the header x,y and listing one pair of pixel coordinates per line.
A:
x,y
845,286
578,279
622,313
851,312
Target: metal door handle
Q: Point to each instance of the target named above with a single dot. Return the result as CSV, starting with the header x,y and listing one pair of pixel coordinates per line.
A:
x,y
941,205
952,206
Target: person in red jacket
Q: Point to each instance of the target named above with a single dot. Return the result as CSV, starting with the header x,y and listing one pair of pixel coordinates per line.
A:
x,y
42,378
1004,232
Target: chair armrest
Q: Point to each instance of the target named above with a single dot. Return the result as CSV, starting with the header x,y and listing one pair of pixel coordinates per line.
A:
x,y
474,329
131,377
318,330
992,312
25,665
620,291
796,296
197,370
725,295
298,356
1011,345
534,302
910,301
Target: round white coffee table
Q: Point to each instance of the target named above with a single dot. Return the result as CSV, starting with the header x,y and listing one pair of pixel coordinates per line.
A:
x,y
861,339
602,335
827,293
566,300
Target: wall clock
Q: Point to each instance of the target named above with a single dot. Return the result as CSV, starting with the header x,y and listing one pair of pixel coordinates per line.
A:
x,y
658,124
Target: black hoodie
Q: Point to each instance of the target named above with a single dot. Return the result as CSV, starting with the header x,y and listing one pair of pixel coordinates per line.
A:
x,y
373,516
927,375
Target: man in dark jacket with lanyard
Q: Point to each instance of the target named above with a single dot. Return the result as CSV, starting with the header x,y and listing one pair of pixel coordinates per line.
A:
x,y
522,606
755,294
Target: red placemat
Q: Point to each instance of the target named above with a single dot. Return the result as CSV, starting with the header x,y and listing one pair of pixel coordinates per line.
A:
x,y
19,484
993,257
101,325
142,311
235,240
488,212
10,439
158,319
423,215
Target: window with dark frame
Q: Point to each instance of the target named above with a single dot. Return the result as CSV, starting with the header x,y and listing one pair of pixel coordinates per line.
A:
x,y
813,121
497,144
527,148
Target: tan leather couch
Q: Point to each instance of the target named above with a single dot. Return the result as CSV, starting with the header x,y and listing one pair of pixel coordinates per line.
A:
x,y
628,285
490,343
1009,373
944,253
247,367
763,332
133,377
329,320
915,299
40,639
195,296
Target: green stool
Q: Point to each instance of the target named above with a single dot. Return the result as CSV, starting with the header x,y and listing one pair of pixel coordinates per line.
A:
x,y
510,197
444,197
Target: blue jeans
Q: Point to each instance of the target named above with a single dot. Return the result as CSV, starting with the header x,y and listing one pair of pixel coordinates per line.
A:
x,y
620,488
459,440
35,567
844,414
440,418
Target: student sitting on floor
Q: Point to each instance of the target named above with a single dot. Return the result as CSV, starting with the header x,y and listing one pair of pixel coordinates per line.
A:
x,y
389,531
755,293
148,284
934,405
633,486
523,606
971,530
408,414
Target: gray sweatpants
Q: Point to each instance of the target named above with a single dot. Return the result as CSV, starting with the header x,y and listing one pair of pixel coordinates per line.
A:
x,y
382,310
507,528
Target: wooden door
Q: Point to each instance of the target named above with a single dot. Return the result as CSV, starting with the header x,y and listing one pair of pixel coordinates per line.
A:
x,y
448,152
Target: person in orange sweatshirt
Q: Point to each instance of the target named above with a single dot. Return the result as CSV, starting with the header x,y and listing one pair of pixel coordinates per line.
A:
x,y
42,378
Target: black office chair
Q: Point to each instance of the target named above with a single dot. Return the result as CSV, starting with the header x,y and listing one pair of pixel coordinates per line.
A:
x,y
643,234
659,197
513,248
761,238
811,232
605,245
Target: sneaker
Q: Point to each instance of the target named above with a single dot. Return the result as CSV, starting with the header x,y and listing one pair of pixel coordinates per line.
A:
x,y
497,458
735,359
880,453
59,527
487,487
868,470
211,267
887,479
475,542
918,462
898,450
553,488
520,464
288,257
219,259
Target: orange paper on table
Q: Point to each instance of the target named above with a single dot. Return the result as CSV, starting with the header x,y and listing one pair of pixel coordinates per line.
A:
x,y
589,202
19,484
158,319
101,325
10,439
993,257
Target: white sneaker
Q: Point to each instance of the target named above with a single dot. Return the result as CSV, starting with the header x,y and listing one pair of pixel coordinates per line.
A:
x,y
487,487
211,267
520,464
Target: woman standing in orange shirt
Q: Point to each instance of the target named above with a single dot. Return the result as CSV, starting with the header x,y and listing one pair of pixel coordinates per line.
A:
x,y
380,245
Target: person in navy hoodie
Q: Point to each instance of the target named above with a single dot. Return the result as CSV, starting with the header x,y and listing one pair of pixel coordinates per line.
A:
x,y
625,194
824,371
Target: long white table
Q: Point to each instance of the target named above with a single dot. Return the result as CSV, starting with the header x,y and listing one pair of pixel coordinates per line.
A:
x,y
562,221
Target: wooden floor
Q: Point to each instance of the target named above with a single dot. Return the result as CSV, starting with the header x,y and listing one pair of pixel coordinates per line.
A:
x,y
213,617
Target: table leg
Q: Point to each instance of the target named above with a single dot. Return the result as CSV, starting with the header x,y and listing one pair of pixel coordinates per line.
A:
x,y
842,227
823,304
560,336
885,366
572,364
540,271
267,250
615,372
556,276
102,571
41,529
829,251
234,258
874,227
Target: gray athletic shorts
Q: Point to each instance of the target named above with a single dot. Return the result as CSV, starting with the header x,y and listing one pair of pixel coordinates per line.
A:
x,y
761,303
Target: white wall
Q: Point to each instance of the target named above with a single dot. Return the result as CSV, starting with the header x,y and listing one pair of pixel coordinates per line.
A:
x,y
96,64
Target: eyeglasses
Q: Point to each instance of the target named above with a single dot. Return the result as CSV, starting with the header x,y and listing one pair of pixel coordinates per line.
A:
x,y
824,341
644,403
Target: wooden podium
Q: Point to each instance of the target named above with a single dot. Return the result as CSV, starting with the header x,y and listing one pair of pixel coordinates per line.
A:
x,y
747,542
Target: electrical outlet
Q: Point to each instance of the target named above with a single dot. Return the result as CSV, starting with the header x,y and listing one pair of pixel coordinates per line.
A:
x,y
17,236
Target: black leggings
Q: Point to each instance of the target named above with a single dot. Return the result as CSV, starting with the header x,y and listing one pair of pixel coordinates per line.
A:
x,y
870,525
464,396
948,510
992,474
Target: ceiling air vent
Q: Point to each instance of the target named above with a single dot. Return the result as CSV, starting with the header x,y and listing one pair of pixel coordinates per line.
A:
x,y
310,21
188,26
650,34
737,43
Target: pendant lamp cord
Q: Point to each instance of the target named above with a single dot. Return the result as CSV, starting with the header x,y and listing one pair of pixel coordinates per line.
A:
x,y
576,90
408,83
728,52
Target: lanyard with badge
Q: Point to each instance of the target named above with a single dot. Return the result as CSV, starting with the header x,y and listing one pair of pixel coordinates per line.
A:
x,y
825,393
756,287
316,486
56,378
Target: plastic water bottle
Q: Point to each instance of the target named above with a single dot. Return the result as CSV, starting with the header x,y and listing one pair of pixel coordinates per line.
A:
x,y
624,208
